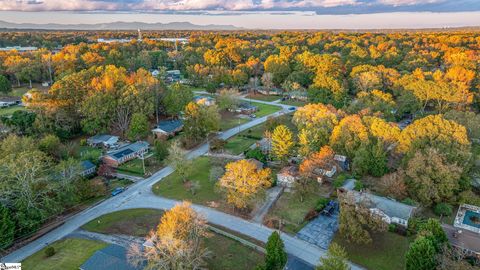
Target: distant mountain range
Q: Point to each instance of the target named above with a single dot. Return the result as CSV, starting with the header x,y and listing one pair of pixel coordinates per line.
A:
x,y
118,26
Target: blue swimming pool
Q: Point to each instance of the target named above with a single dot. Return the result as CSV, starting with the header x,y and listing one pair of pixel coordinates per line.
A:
x,y
470,217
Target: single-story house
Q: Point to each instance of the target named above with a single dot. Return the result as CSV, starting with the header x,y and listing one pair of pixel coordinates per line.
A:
x,y
88,168
167,128
389,210
126,153
246,108
287,177
265,145
110,257
173,76
204,100
10,101
465,240
103,140
298,95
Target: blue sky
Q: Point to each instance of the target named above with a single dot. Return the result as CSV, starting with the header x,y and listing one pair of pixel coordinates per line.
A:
x,y
317,6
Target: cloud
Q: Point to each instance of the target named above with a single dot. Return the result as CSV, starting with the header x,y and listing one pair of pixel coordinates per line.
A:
x,y
318,6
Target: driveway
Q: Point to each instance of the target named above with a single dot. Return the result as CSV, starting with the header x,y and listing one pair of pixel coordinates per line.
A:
x,y
320,231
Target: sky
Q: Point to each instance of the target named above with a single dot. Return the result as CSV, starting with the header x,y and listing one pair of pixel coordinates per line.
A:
x,y
265,14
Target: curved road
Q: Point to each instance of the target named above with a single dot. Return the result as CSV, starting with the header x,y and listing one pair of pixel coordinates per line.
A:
x,y
140,195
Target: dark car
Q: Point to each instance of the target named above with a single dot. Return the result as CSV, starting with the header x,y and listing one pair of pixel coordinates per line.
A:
x,y
117,191
292,109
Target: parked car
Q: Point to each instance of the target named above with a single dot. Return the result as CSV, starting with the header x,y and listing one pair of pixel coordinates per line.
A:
x,y
253,116
292,109
117,191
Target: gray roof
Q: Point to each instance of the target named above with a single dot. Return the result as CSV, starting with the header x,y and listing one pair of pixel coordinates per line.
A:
x,y
100,138
390,207
170,125
462,238
87,165
128,149
10,99
111,257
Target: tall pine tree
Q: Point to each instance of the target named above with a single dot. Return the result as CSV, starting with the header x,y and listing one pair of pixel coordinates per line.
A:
x,y
276,257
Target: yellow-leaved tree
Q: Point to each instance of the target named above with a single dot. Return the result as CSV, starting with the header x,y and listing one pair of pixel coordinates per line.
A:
x,y
177,243
282,142
243,181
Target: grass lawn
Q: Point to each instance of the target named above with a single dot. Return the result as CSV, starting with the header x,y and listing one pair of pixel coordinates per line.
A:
x,y
136,222
226,253
70,255
230,120
173,187
386,252
265,109
133,167
238,144
11,110
265,97
291,211
230,254
292,102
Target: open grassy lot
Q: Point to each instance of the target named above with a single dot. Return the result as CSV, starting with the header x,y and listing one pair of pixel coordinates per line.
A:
x,y
239,144
264,97
291,211
11,110
230,254
230,120
70,255
136,222
386,252
265,109
226,253
132,167
173,187
90,153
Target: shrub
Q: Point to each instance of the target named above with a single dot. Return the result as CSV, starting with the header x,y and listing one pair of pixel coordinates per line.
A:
x,y
392,227
83,142
161,150
358,186
217,144
408,201
443,209
49,252
321,203
256,154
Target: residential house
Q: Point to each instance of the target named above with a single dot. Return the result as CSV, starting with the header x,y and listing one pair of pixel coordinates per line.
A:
x,y
342,162
204,100
287,177
110,257
389,210
126,153
265,145
298,95
9,101
257,163
172,76
88,168
103,140
464,240
167,128
19,49
246,108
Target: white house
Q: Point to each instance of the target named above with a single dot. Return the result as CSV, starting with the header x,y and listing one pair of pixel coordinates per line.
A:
x,y
103,140
287,177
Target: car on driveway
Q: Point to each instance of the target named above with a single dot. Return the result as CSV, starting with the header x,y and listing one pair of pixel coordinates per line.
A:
x,y
292,109
117,191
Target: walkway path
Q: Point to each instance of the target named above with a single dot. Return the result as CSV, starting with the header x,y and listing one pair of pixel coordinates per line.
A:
x,y
271,197
118,239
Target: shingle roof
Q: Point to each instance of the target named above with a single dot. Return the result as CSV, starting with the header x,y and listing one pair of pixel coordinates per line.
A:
x,y
128,149
170,125
100,138
87,165
111,257
389,207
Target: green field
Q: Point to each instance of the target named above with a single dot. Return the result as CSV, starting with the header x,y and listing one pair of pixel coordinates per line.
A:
x,y
173,187
70,255
230,122
265,97
133,167
89,153
239,144
265,109
137,222
11,110
386,252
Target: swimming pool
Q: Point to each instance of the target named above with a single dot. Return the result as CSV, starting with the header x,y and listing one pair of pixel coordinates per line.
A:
x,y
469,219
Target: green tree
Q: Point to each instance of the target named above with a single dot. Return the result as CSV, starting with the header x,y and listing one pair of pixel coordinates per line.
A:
x,y
20,121
276,257
176,98
50,144
7,227
161,150
371,159
421,255
178,160
200,120
336,259
138,127
433,230
5,86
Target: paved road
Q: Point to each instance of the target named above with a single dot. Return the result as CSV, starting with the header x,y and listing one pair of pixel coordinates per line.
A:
x,y
140,195
123,199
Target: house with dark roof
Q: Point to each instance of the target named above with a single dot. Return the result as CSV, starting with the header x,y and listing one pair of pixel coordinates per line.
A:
x,y
9,101
167,128
126,153
103,140
464,240
389,210
246,108
88,168
108,258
